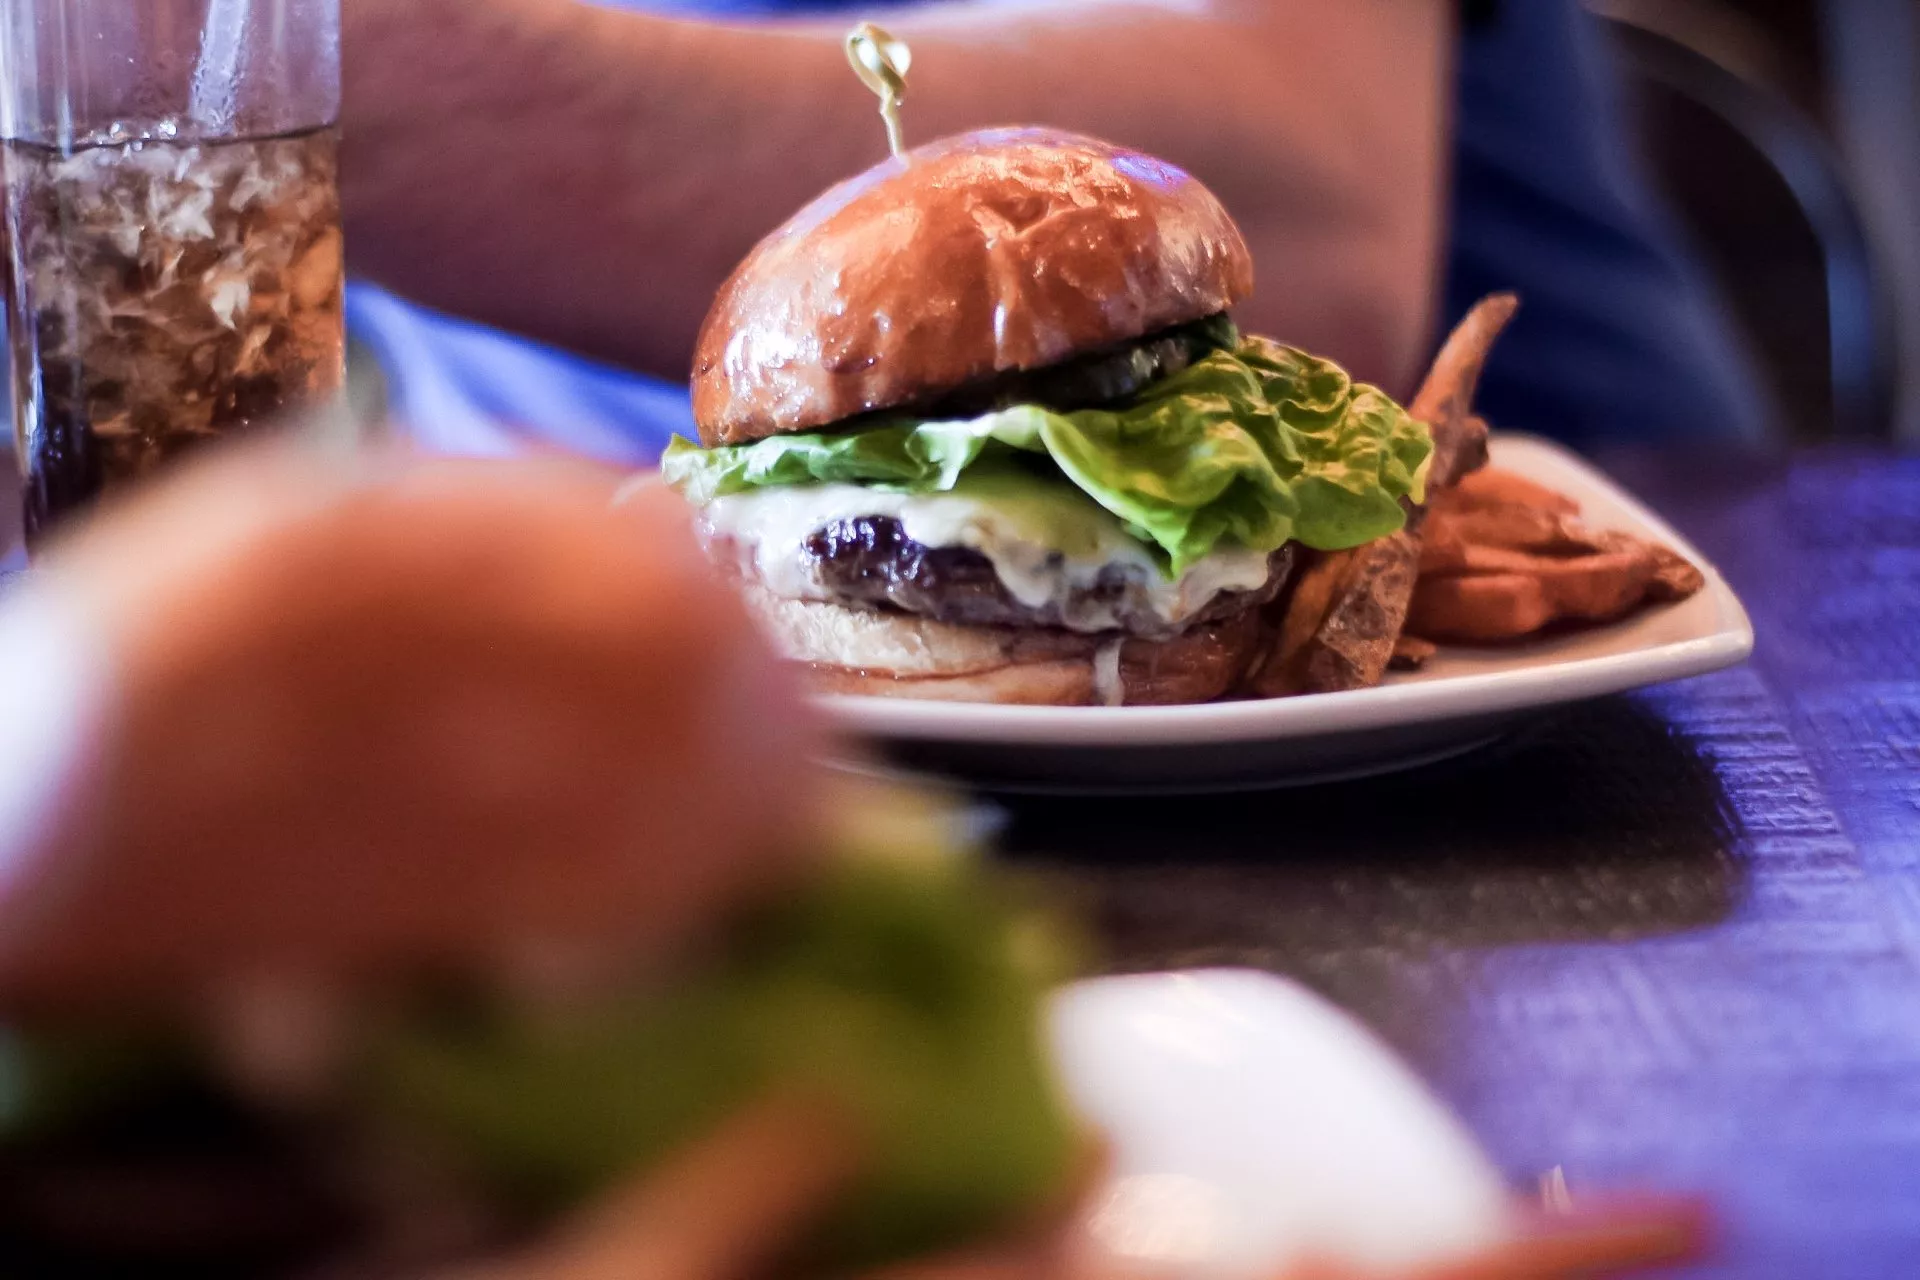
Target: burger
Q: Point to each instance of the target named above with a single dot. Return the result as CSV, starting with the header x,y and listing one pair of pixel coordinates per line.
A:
x,y
397,930
978,425
870,1041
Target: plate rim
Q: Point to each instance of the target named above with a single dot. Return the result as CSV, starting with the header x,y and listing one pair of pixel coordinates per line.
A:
x,y
1326,714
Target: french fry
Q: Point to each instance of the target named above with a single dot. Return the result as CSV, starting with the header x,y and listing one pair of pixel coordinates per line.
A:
x,y
1588,1243
1453,557
1482,608
1503,557
732,1207
1492,487
1343,618
725,1209
1494,595
1674,576
1520,528
1445,400
1597,588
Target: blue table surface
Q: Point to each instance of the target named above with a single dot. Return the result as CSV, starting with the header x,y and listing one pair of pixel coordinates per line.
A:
x,y
1667,940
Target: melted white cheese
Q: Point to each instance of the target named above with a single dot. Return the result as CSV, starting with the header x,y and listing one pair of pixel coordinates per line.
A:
x,y
1045,542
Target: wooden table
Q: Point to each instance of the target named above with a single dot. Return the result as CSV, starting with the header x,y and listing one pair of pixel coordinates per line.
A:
x,y
1669,940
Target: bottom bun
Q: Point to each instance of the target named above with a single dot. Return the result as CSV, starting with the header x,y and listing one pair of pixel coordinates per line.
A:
x,y
902,656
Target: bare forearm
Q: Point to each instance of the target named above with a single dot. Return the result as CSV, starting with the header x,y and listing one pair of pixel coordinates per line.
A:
x,y
590,176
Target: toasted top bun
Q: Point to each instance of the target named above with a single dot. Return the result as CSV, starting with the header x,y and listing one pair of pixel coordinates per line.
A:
x,y
983,253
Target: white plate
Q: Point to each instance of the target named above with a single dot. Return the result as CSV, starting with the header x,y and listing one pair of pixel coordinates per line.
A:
x,y
1251,1125
1462,699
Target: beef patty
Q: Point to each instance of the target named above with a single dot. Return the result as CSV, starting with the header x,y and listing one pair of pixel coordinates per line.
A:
x,y
870,561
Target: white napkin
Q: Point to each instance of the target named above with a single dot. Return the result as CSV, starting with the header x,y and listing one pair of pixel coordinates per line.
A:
x,y
1254,1126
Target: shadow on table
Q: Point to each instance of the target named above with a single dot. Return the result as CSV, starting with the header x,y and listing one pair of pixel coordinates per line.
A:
x,y
1602,824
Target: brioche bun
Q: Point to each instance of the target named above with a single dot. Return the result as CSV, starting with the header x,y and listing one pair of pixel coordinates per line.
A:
x,y
978,255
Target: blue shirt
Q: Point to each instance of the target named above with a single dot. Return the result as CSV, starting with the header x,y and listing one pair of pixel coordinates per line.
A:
x,y
1617,338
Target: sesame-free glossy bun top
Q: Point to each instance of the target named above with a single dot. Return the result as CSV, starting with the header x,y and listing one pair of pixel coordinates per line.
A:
x,y
980,254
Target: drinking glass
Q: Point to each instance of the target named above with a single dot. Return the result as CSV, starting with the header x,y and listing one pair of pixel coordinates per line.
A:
x,y
173,256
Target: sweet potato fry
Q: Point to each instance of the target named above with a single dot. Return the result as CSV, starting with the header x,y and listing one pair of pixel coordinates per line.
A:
x,y
725,1209
1445,400
1480,608
1492,487
1587,1244
1281,671
1520,528
1597,588
1503,557
1507,595
1674,576
1452,557
1341,621
732,1206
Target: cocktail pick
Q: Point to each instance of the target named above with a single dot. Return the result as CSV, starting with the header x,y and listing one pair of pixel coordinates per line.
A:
x,y
881,61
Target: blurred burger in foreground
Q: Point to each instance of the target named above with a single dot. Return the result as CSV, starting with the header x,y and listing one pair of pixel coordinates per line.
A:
x,y
386,896
977,425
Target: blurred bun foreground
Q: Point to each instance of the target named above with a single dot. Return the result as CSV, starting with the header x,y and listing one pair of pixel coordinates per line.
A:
x,y
387,789
297,674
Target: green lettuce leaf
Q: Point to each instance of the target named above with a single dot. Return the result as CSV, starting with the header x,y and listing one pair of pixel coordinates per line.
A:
x,y
904,981
1257,446
899,981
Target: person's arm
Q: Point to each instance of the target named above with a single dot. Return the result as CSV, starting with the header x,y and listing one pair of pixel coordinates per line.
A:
x,y
589,176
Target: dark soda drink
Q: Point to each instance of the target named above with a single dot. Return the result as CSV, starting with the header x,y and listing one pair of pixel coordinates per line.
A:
x,y
163,292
